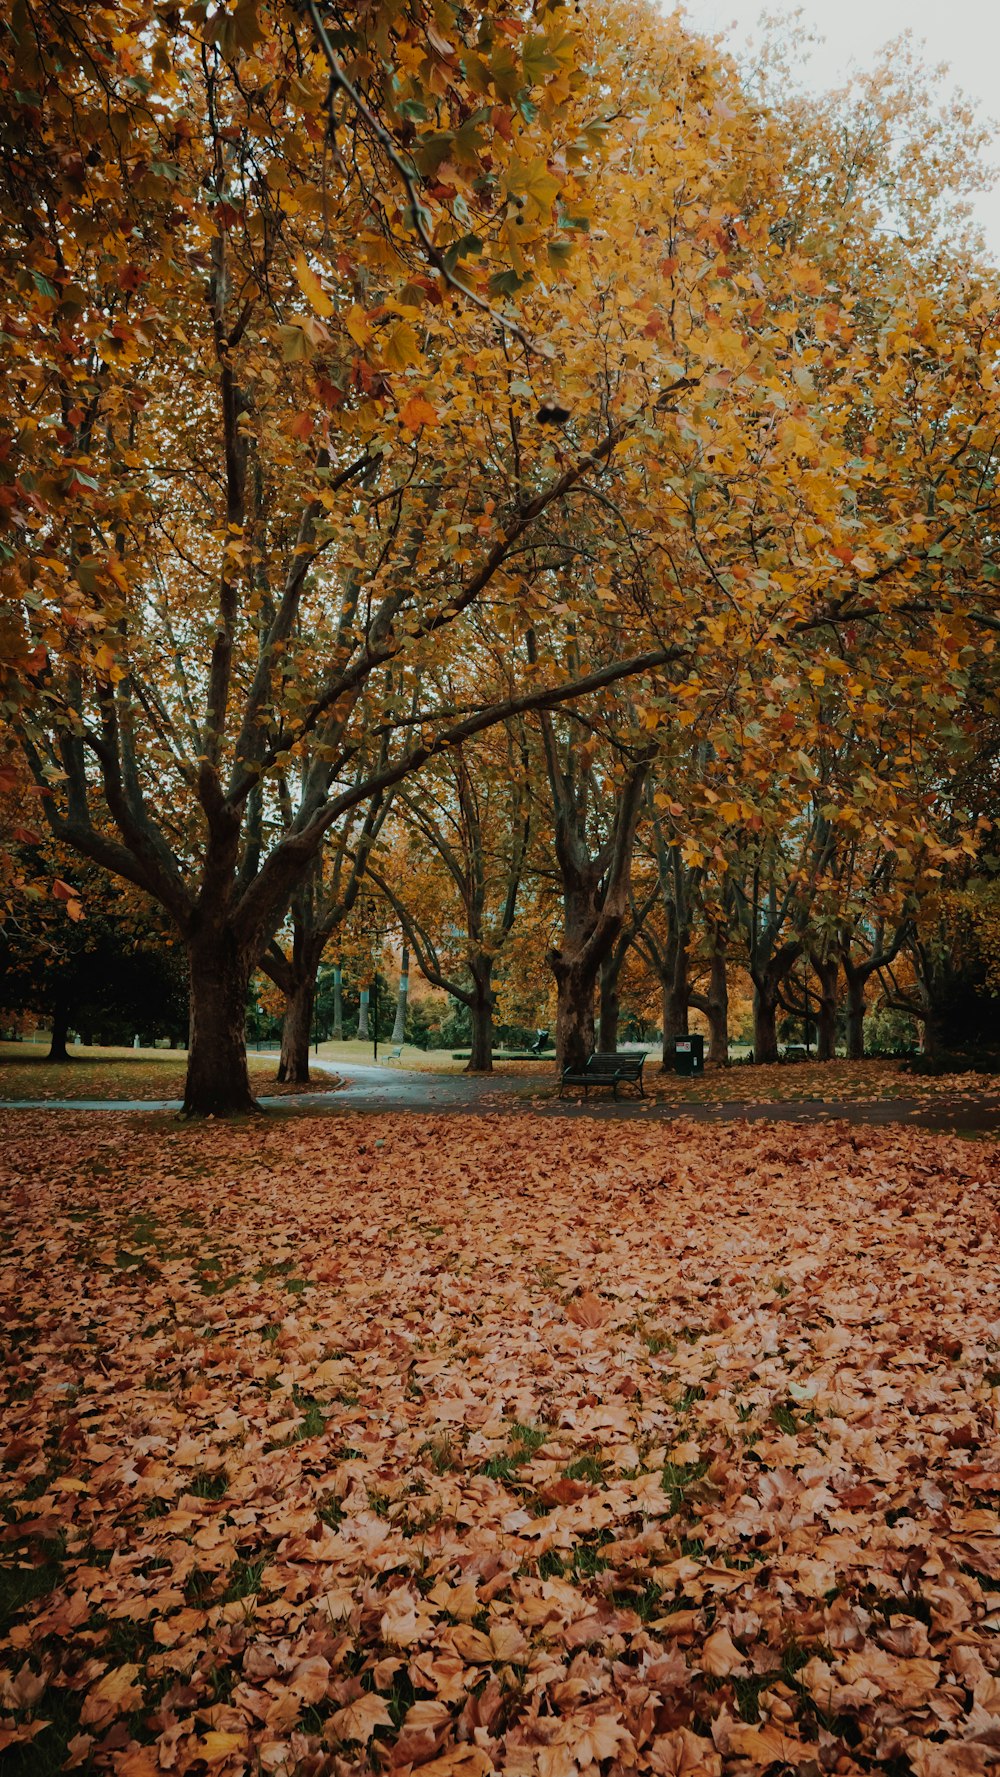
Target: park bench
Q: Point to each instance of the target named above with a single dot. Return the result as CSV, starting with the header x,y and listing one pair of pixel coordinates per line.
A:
x,y
602,1069
397,1053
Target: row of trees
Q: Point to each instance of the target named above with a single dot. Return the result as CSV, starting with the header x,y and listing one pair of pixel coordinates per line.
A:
x,y
505,460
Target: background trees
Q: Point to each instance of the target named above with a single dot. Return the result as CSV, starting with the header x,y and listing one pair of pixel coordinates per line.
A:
x,y
423,459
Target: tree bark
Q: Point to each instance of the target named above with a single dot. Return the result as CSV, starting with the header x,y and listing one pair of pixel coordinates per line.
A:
x,y
826,970
676,992
767,978
295,1030
338,1004
399,1027
676,1014
610,1005
575,984
717,1008
765,1024
218,1083
855,1015
481,1008
930,1019
60,1029
363,1032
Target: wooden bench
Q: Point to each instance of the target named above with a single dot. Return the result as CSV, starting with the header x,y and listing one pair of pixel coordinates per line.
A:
x,y
397,1053
602,1069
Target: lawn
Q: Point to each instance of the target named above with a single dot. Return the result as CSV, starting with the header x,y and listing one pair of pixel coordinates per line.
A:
x,y
458,1446
121,1073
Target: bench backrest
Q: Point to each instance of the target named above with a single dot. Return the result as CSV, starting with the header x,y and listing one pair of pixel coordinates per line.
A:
x,y
609,1062
631,1064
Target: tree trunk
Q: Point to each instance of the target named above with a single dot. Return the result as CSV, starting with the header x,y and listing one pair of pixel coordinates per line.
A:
x,y
676,1012
363,1033
765,1024
855,1016
218,1083
60,1029
481,1057
399,1027
610,1005
295,1030
338,1004
826,970
676,996
930,1021
717,1008
575,983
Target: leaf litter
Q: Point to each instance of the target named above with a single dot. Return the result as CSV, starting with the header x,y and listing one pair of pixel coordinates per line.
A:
x,y
451,1446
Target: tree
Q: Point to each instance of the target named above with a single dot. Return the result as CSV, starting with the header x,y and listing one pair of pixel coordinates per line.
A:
x,y
594,828
112,972
456,874
246,517
320,905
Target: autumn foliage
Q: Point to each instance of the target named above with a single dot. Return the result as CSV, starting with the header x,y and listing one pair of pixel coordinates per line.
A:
x,y
373,380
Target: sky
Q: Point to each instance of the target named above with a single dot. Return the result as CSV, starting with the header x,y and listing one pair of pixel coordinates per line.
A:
x,y
963,33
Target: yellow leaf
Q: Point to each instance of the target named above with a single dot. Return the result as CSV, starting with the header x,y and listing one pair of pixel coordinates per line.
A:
x,y
116,1692
311,287
534,182
357,325
401,347
218,1745
294,344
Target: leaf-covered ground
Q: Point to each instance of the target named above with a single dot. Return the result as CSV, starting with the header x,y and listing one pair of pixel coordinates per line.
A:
x,y
458,1445
109,1073
831,1082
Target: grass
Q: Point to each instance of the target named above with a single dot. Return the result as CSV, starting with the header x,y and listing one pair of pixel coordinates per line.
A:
x,y
92,1072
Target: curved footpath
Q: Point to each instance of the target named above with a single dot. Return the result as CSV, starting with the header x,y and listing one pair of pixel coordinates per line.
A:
x,y
367,1089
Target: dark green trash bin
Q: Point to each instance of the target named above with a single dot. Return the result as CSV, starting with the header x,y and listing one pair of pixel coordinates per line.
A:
x,y
689,1055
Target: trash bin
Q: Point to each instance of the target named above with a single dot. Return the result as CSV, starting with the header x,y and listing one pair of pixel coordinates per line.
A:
x,y
689,1055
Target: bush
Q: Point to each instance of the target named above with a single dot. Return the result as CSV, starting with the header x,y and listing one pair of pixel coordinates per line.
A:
x,y
419,1025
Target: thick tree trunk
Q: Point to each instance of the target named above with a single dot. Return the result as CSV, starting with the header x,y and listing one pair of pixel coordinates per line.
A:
x,y
855,1017
575,983
827,970
481,1009
338,1004
60,1030
930,1022
717,1008
363,1032
765,1024
399,1027
296,1029
610,1005
218,1083
676,996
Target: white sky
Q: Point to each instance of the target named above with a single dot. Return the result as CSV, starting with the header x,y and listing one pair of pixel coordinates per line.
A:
x,y
963,33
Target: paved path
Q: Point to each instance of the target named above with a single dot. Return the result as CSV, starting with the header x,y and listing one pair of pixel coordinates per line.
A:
x,y
367,1089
